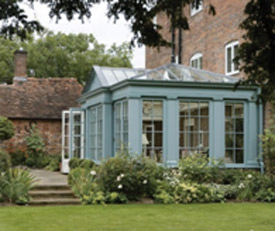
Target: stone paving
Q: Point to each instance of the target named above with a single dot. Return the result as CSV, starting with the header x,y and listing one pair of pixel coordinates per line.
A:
x,y
44,177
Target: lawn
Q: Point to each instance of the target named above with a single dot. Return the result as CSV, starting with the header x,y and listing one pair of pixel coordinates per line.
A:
x,y
197,217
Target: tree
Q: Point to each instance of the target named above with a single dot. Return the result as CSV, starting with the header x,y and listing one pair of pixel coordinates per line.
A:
x,y
6,128
256,54
61,55
139,13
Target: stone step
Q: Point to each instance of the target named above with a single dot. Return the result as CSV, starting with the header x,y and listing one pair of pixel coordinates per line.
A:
x,y
55,201
51,194
51,187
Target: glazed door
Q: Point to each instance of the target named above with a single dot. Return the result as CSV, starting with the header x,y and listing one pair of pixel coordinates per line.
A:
x,y
72,136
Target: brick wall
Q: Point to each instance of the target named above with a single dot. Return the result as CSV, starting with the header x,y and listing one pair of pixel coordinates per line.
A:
x,y
207,35
49,129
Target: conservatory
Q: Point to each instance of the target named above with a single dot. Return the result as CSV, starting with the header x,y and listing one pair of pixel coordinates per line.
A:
x,y
164,114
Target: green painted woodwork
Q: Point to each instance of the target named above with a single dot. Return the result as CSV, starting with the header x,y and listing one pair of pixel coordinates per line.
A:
x,y
134,90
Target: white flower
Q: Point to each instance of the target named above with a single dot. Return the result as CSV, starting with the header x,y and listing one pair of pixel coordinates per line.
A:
x,y
93,172
119,186
249,176
122,175
241,185
144,182
118,178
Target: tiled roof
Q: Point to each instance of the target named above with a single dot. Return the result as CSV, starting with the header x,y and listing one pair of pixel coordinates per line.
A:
x,y
36,98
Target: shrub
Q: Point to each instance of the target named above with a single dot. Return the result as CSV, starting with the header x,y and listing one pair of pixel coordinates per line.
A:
x,y
18,158
269,147
15,185
81,163
6,128
198,168
35,150
54,163
84,186
5,161
133,176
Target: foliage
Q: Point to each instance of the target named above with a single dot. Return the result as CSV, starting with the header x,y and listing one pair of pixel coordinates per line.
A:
x,y
5,161
116,198
133,176
256,53
18,158
84,186
15,184
81,163
7,49
54,163
139,14
269,147
35,149
198,168
15,20
6,128
62,55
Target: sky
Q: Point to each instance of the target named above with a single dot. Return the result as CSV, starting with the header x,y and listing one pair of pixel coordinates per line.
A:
x,y
104,30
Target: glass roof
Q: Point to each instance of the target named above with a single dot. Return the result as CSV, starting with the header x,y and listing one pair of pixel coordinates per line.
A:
x,y
170,72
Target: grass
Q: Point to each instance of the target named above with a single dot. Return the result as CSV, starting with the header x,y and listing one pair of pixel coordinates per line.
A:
x,y
195,217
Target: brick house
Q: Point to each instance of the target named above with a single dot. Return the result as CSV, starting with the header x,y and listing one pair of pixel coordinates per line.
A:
x,y
36,101
210,43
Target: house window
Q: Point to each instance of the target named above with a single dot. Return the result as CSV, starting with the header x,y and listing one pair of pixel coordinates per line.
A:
x,y
96,132
196,7
234,133
231,50
196,61
152,129
194,127
121,125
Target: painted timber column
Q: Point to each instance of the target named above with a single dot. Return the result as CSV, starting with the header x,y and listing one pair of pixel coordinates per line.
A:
x,y
135,125
171,132
217,127
107,139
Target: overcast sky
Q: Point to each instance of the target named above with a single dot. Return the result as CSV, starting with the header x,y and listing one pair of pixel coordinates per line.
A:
x,y
104,30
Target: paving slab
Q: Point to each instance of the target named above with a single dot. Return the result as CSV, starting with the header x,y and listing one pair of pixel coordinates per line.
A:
x,y
45,177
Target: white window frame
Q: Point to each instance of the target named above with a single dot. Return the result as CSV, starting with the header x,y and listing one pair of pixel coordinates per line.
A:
x,y
194,10
233,55
196,56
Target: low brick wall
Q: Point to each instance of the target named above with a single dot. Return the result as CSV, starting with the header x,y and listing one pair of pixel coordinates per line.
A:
x,y
50,130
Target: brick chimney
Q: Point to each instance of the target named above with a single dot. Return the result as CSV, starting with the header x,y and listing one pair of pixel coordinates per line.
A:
x,y
20,65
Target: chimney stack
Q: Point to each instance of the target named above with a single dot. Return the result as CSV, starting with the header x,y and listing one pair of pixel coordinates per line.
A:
x,y
20,64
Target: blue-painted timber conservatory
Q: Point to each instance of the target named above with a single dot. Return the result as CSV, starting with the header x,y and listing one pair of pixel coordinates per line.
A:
x,y
165,114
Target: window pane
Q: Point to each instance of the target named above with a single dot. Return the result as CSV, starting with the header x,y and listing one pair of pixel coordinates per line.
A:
x,y
157,107
147,108
229,59
239,141
184,109
235,54
204,109
238,110
194,109
204,126
183,123
239,125
229,141
229,110
229,156
239,157
229,124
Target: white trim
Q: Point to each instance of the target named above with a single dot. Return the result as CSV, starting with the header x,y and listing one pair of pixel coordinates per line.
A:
x,y
233,55
197,57
194,10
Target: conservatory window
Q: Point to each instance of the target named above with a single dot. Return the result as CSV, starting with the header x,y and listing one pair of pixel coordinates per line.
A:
x,y
196,8
152,129
96,132
231,50
234,132
194,127
121,125
196,61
